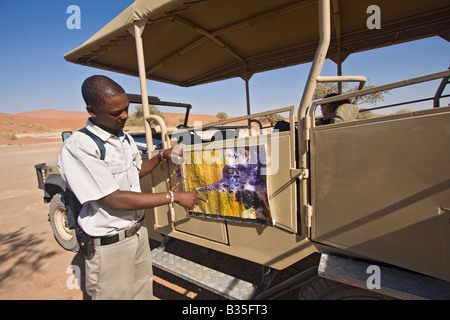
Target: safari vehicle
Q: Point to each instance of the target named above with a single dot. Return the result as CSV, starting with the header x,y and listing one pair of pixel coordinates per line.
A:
x,y
371,196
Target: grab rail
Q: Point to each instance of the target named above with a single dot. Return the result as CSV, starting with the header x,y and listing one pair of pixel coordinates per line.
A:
x,y
389,86
164,136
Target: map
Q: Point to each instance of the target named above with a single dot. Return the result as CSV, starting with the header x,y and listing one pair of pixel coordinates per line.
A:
x,y
231,180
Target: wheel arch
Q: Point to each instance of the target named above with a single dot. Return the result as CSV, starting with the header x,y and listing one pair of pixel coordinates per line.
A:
x,y
53,185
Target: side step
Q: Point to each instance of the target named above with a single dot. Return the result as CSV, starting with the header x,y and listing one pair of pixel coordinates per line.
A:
x,y
209,279
394,282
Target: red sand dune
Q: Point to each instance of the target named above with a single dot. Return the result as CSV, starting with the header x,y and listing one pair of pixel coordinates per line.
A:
x,y
45,125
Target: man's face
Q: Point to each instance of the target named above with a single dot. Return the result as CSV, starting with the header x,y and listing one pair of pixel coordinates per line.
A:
x,y
111,114
326,109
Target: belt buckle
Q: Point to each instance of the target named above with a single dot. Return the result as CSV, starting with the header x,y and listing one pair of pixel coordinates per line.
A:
x,y
133,230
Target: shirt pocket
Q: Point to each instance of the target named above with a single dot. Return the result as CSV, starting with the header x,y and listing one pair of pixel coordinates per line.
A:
x,y
116,168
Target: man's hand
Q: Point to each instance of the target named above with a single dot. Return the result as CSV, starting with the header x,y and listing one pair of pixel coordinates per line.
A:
x,y
175,153
188,199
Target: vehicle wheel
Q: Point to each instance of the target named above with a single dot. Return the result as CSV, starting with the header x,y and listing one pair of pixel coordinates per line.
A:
x,y
58,220
324,289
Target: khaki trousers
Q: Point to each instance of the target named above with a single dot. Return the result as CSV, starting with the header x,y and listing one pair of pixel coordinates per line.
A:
x,y
122,270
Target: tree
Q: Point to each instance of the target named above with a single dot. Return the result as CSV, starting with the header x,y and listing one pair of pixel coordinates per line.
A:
x,y
272,119
363,114
222,115
137,118
324,88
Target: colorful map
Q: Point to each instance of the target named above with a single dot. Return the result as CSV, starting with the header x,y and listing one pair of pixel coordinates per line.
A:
x,y
231,180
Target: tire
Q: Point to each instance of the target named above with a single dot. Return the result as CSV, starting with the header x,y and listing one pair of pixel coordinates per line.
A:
x,y
324,289
58,221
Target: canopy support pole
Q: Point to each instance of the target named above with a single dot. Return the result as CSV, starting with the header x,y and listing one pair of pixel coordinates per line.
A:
x,y
247,95
319,58
339,71
338,30
136,31
304,123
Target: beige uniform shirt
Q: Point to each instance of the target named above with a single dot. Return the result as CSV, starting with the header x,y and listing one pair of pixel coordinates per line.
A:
x,y
91,178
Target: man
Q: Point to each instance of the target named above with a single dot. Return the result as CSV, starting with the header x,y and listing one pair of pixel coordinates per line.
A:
x,y
337,112
109,190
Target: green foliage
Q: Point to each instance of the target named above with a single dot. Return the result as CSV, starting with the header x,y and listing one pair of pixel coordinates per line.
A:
x,y
272,119
137,118
37,127
325,88
10,135
7,121
134,121
366,115
222,115
403,111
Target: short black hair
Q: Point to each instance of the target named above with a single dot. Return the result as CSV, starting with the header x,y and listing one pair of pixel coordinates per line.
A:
x,y
97,88
336,104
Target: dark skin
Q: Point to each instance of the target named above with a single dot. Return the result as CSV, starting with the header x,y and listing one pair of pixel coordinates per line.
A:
x,y
327,112
111,116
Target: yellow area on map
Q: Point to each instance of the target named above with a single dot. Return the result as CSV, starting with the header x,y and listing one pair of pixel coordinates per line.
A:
x,y
203,169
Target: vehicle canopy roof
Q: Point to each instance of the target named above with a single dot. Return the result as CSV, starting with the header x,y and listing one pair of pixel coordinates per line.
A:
x,y
189,43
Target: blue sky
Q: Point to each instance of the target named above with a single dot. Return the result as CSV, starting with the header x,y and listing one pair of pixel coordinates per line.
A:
x,y
34,38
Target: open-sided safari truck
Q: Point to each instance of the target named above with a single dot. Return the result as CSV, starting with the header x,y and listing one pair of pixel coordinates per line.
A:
x,y
372,196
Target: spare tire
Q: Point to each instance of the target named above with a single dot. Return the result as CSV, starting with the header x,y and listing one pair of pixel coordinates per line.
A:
x,y
58,221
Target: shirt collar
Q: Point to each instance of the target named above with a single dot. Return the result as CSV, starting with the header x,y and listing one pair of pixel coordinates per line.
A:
x,y
103,134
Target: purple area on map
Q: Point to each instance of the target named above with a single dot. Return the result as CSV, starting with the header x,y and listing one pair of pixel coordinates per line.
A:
x,y
242,178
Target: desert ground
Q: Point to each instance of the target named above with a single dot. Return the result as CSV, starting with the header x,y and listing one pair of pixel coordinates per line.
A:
x,y
32,264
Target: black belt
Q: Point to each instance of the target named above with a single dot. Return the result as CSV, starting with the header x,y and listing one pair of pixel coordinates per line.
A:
x,y
103,241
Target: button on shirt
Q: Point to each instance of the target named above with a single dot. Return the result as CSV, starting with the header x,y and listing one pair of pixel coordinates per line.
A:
x,y
91,178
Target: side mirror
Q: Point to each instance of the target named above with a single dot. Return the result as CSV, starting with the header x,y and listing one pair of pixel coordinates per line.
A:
x,y
65,135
